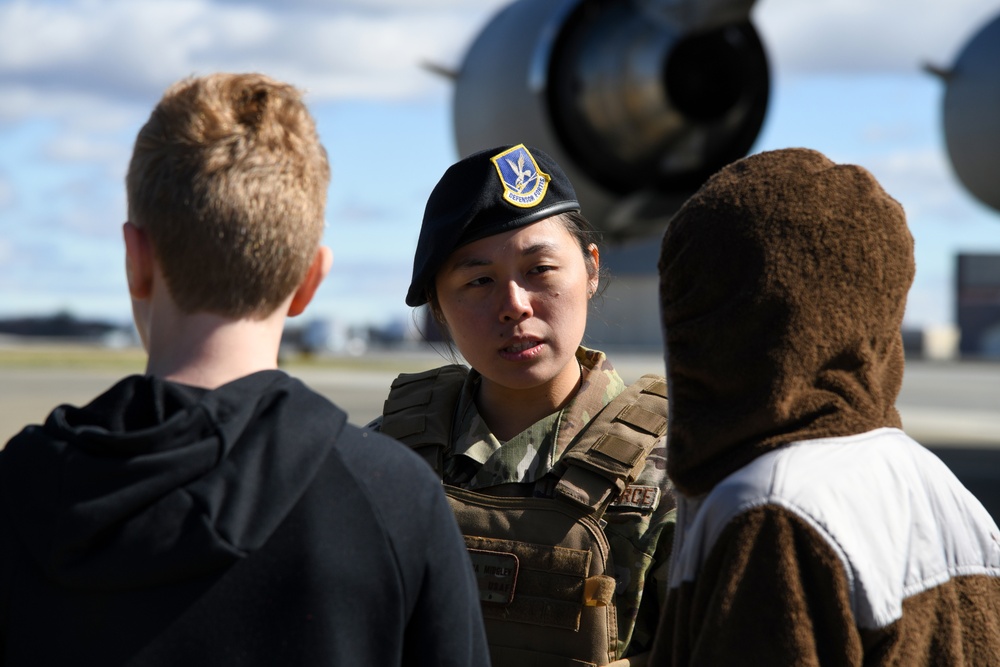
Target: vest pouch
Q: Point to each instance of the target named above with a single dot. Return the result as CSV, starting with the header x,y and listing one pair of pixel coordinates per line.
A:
x,y
547,596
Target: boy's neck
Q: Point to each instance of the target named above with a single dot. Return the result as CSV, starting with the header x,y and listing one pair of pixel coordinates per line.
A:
x,y
207,350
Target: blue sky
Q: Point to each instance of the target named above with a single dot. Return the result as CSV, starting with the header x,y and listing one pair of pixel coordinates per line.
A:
x,y
81,76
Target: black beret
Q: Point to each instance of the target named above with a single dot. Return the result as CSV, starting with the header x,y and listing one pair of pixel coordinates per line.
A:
x,y
486,193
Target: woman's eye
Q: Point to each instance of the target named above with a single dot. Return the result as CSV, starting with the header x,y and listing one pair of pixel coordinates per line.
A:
x,y
477,282
544,268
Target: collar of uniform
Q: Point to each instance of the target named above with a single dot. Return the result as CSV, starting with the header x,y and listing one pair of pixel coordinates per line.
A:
x,y
599,385
473,438
521,460
536,449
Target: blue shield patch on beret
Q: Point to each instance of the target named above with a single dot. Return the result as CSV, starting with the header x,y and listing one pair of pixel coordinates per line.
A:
x,y
524,184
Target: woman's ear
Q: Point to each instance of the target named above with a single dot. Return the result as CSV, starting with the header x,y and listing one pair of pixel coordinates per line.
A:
x,y
595,272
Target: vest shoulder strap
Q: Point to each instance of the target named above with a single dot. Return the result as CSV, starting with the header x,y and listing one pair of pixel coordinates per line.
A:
x,y
610,452
419,410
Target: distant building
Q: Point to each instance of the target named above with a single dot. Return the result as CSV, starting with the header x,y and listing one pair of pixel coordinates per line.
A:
x,y
977,304
937,343
65,326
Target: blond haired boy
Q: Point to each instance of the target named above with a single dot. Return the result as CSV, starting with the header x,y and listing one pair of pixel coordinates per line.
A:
x,y
215,510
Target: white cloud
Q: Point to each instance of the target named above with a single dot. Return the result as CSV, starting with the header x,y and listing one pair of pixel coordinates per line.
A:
x,y
69,127
130,50
87,149
92,109
97,68
133,49
919,169
923,181
373,6
861,35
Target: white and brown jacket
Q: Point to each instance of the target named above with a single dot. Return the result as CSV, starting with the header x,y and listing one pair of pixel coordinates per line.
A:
x,y
811,530
858,550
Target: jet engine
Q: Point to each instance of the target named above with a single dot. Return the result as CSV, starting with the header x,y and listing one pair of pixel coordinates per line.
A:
x,y
639,100
972,114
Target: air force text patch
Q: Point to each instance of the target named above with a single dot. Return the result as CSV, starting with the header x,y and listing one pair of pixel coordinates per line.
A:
x,y
637,498
524,184
496,574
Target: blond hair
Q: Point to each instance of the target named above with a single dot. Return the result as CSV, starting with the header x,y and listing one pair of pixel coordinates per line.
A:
x,y
229,180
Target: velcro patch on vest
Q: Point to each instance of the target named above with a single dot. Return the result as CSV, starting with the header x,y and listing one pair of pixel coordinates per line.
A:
x,y
496,574
636,497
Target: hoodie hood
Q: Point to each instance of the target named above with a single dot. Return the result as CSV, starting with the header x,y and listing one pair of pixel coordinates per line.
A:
x,y
783,286
155,482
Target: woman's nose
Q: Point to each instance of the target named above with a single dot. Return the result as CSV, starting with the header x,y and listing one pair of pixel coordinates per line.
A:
x,y
516,303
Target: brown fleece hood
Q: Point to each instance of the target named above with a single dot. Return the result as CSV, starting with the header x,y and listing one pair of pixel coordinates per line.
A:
x,y
783,283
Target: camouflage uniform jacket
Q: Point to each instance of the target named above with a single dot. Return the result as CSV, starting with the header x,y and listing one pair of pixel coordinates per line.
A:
x,y
640,539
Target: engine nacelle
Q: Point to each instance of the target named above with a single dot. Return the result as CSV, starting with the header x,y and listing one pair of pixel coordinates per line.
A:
x,y
972,115
639,100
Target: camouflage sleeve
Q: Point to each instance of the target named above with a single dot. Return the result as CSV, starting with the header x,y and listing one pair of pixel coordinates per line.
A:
x,y
655,590
641,542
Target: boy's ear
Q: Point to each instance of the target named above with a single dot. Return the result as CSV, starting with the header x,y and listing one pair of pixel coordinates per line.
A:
x,y
138,261
314,276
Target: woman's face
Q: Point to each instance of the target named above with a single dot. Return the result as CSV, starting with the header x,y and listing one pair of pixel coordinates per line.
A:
x,y
516,303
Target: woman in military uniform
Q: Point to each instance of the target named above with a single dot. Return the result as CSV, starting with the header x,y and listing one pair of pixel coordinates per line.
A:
x,y
555,469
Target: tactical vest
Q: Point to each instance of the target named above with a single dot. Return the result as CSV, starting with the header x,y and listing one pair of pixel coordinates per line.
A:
x,y
543,564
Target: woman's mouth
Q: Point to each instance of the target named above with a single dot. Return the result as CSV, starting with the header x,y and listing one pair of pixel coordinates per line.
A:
x,y
522,350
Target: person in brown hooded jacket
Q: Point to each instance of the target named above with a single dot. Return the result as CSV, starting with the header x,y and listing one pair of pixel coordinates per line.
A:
x,y
811,530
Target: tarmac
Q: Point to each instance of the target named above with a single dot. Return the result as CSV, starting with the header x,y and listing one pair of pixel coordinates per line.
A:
x,y
953,408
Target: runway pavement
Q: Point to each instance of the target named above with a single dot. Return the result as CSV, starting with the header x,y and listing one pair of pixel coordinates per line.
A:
x,y
953,408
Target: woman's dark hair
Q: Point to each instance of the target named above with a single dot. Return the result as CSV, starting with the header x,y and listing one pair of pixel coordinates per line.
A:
x,y
585,234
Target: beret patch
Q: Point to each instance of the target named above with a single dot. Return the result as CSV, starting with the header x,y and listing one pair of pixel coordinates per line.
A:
x,y
524,184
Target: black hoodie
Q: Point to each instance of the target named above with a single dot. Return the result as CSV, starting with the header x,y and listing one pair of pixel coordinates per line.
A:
x,y
166,524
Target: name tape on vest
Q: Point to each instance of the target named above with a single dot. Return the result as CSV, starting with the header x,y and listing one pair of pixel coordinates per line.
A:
x,y
638,498
496,574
